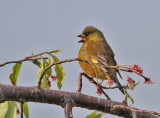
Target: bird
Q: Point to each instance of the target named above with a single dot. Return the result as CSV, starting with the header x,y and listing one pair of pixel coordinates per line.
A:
x,y
97,51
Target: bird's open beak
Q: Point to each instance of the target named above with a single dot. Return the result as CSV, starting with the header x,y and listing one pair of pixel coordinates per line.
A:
x,y
83,38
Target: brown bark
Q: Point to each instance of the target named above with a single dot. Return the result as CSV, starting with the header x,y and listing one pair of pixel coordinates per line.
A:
x,y
76,99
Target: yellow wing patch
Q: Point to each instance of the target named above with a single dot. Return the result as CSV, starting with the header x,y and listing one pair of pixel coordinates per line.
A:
x,y
94,60
107,77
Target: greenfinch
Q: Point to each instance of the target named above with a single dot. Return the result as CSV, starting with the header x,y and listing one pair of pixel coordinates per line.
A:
x,y
97,51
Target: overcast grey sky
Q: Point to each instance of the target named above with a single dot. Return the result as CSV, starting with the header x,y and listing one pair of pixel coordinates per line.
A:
x,y
132,28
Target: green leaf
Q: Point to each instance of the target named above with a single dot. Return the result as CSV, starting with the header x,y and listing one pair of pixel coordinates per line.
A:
x,y
44,83
15,71
59,71
25,109
92,115
10,107
36,62
55,51
99,115
47,74
3,109
128,96
135,84
49,60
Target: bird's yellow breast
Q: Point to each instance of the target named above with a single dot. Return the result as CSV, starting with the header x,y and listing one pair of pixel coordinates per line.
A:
x,y
89,52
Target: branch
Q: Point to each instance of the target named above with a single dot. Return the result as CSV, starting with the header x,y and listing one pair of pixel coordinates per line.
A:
x,y
80,82
92,81
22,109
19,61
33,94
136,110
70,60
29,58
60,62
68,110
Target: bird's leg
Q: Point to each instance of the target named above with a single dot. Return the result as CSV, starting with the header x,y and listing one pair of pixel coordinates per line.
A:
x,y
80,80
99,84
90,78
99,92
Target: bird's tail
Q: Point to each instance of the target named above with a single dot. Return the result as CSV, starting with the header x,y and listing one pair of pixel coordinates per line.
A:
x,y
115,80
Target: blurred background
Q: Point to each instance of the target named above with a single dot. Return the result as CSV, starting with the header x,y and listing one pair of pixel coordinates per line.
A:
x,y
132,28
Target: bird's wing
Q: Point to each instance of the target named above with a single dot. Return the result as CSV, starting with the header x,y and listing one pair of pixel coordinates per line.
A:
x,y
103,54
100,52
108,55
103,51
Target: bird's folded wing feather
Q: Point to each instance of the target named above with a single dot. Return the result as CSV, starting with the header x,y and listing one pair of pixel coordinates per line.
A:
x,y
100,52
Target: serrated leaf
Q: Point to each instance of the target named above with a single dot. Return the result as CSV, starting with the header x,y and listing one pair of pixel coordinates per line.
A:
x,y
36,62
15,71
11,111
128,96
59,71
92,115
25,109
47,74
3,109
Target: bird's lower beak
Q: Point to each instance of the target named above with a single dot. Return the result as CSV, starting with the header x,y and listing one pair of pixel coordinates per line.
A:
x,y
83,38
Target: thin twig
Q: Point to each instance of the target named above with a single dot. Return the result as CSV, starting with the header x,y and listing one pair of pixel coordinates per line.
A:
x,y
54,51
105,94
68,110
79,82
19,61
29,58
95,83
55,63
21,109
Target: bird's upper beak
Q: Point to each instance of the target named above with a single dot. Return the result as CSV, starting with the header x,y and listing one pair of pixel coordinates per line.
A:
x,y
83,38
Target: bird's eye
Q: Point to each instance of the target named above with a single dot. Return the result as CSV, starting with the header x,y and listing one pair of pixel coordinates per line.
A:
x,y
86,34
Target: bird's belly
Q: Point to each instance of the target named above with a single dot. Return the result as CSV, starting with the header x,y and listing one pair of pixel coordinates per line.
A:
x,y
93,70
90,69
